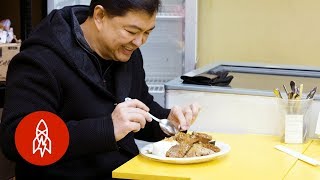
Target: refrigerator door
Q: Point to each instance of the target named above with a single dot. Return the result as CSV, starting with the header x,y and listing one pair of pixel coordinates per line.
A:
x,y
171,48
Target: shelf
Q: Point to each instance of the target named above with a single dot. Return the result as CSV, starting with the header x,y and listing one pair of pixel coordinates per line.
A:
x,y
169,17
156,83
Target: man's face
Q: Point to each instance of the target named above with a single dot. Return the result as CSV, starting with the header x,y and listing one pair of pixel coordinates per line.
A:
x,y
120,36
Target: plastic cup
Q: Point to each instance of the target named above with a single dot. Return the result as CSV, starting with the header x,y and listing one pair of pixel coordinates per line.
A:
x,y
294,119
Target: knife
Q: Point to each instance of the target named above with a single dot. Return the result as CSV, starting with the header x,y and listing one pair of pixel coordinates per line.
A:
x,y
298,155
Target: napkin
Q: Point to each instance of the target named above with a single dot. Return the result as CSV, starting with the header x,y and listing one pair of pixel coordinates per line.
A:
x,y
219,78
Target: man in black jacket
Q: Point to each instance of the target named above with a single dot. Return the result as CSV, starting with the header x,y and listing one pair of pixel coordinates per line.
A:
x,y
81,63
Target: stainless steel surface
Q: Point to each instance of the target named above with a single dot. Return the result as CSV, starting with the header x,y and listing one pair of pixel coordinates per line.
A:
x,y
253,79
266,82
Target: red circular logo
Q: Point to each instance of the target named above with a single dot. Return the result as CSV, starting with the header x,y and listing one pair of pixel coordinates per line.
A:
x,y
42,138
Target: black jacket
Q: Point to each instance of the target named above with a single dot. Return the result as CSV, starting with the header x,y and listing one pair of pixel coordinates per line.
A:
x,y
56,71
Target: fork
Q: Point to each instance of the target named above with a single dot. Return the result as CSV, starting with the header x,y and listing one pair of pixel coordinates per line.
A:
x,y
165,125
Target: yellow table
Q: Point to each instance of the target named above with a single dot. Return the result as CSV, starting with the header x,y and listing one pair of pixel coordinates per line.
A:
x,y
302,170
251,157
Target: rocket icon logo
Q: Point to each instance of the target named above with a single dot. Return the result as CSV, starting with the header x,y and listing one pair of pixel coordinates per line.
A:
x,y
42,142
42,138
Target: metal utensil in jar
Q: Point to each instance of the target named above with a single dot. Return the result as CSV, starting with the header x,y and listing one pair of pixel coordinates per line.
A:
x,y
285,89
312,93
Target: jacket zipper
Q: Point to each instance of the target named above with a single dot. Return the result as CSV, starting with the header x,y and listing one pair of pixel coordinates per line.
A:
x,y
100,69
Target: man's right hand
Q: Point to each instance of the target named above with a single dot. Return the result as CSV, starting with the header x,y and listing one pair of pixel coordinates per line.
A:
x,y
129,116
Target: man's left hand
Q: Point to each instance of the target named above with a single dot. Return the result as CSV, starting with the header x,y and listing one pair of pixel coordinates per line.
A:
x,y
183,117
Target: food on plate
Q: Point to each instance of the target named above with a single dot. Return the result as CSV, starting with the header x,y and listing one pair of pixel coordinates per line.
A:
x,y
179,150
204,138
184,145
198,150
161,147
211,146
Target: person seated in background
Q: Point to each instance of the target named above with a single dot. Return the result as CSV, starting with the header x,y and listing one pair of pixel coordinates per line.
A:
x,y
80,63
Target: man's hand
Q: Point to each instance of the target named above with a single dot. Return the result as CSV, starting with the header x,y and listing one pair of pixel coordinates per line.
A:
x,y
183,117
129,116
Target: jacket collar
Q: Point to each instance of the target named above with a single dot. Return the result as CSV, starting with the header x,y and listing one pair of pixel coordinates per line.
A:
x,y
89,65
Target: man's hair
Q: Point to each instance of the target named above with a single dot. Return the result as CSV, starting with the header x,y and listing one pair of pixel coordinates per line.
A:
x,y
121,7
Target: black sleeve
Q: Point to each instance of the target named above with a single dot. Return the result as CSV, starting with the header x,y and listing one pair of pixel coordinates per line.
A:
x,y
32,86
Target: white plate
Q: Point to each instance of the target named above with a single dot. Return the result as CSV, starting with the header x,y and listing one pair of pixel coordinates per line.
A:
x,y
147,149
